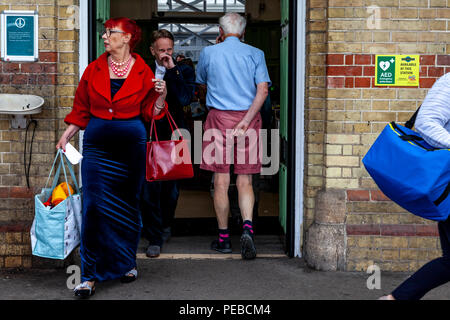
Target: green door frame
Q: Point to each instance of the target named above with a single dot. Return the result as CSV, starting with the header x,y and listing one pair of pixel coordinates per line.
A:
x,y
288,126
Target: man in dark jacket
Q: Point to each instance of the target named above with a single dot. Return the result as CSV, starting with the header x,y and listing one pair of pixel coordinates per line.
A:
x,y
159,199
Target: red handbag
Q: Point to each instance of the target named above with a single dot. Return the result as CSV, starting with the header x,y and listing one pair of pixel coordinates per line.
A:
x,y
168,159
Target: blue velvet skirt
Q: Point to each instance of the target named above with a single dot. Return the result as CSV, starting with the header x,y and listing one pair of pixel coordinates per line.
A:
x,y
113,171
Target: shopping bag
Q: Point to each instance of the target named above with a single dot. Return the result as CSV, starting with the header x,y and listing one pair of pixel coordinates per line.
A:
x,y
55,232
410,172
169,159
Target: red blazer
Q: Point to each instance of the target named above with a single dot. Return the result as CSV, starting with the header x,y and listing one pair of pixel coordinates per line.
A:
x,y
93,96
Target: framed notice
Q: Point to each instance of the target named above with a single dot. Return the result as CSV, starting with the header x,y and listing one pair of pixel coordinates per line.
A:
x,y
397,70
19,35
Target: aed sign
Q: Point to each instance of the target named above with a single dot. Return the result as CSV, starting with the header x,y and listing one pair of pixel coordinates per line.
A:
x,y
19,35
397,70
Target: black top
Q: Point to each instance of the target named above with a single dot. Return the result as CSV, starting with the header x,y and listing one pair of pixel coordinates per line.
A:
x,y
116,84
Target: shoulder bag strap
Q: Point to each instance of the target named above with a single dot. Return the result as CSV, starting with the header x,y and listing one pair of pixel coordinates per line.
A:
x,y
410,123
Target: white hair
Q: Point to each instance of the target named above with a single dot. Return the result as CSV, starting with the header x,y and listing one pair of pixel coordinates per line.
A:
x,y
233,22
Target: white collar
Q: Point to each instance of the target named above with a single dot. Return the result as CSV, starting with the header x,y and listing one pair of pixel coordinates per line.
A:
x,y
160,71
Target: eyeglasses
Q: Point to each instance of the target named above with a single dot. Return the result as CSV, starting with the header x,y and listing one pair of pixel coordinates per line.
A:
x,y
108,32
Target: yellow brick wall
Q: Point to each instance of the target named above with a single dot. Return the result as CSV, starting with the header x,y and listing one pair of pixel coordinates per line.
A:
x,y
346,112
315,106
54,77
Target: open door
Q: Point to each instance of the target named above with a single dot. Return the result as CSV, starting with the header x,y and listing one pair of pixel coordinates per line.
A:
x,y
290,129
284,83
102,15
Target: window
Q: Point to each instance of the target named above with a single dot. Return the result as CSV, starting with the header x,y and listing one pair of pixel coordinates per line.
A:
x,y
201,5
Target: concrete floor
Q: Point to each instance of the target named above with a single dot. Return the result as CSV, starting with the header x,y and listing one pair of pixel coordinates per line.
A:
x,y
214,278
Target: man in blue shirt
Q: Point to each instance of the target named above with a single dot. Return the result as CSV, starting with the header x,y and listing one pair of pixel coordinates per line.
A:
x,y
237,83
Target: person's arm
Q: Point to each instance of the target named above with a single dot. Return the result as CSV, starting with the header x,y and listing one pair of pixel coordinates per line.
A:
x,y
154,105
71,130
178,79
80,114
262,91
434,114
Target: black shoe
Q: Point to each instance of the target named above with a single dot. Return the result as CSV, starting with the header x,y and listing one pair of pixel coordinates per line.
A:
x,y
224,247
153,251
166,234
248,250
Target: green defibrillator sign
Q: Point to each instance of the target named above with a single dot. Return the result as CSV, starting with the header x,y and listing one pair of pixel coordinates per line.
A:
x,y
19,35
397,70
385,70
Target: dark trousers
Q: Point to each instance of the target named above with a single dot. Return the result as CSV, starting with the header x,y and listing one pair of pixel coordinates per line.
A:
x,y
432,274
158,203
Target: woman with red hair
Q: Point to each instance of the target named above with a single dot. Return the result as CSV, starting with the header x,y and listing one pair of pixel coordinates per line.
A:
x,y
116,93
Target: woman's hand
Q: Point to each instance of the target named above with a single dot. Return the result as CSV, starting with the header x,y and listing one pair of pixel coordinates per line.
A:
x,y
160,87
66,136
62,143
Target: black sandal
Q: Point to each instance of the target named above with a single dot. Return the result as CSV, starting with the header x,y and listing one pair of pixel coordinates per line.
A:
x,y
84,290
130,276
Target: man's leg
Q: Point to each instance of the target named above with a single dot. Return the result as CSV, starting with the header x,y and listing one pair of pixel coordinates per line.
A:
x,y
221,201
246,203
169,199
222,208
151,217
246,196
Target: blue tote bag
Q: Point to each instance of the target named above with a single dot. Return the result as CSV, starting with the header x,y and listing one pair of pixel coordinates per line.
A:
x,y
55,232
410,172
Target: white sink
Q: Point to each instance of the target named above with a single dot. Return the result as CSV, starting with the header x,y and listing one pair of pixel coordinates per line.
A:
x,y
20,104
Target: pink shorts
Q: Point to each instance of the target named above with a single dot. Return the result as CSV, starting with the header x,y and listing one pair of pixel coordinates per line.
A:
x,y
220,149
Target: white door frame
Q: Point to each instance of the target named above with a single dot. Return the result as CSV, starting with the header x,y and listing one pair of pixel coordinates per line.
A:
x,y
83,50
300,126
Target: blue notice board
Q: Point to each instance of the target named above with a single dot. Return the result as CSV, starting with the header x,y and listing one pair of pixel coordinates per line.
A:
x,y
19,35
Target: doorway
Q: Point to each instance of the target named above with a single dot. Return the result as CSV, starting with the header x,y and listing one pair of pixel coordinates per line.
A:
x,y
274,211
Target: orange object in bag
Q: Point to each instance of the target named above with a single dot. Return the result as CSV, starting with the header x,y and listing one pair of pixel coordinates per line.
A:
x,y
60,193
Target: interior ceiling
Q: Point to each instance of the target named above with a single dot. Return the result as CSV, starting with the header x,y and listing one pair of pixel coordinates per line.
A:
x,y
148,9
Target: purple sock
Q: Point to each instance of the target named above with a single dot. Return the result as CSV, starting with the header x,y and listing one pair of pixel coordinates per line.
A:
x,y
224,235
248,225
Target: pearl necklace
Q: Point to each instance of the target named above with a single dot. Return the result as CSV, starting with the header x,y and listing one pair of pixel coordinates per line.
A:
x,y
117,68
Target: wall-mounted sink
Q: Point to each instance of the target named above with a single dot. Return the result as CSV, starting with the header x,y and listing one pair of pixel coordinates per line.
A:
x,y
18,106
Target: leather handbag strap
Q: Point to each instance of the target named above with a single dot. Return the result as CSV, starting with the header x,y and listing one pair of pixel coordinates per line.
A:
x,y
171,123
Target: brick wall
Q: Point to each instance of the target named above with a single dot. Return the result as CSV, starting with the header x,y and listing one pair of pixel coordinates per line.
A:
x,y
54,77
315,105
346,112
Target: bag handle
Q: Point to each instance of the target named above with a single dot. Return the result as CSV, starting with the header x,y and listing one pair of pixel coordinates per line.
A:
x,y
412,138
72,174
51,170
62,163
171,123
410,123
71,171
443,196
62,155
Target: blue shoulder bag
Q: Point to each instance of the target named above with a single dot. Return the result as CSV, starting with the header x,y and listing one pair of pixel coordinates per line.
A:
x,y
410,172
